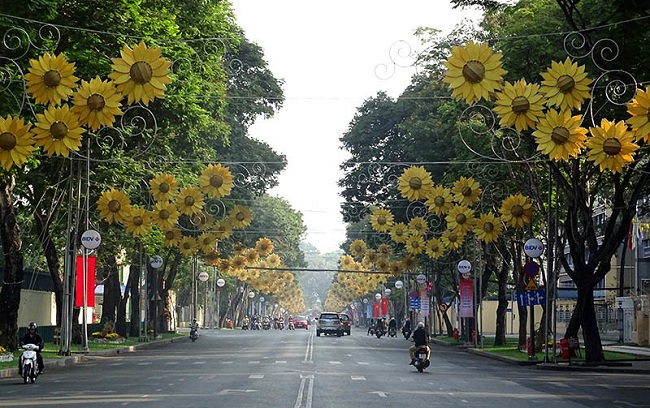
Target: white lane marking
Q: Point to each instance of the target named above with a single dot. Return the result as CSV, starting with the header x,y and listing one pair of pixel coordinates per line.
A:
x,y
280,361
309,380
226,362
335,362
198,362
379,393
115,364
253,362
171,363
363,363
228,391
309,352
357,378
256,376
144,364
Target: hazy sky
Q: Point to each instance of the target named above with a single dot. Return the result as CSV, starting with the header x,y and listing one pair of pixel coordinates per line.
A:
x,y
331,55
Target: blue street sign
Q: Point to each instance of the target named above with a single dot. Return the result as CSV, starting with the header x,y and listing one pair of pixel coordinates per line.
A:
x,y
531,298
415,303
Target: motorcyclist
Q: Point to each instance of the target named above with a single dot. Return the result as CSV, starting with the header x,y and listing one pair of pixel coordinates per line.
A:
x,y
31,337
245,323
420,338
194,327
392,325
406,329
371,327
381,325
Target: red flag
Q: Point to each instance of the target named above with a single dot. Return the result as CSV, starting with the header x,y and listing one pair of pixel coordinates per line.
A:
x,y
90,282
375,310
631,239
384,306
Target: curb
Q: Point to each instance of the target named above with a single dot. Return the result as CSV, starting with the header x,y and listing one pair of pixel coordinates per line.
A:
x,y
78,357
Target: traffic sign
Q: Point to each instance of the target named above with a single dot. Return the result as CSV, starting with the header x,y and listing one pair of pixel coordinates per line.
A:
x,y
531,269
531,298
531,285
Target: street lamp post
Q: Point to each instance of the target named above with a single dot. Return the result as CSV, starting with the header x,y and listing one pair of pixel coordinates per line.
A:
x,y
203,277
533,249
251,295
220,284
466,308
156,262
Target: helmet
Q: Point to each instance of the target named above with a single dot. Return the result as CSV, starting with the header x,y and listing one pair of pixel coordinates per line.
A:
x,y
31,326
420,325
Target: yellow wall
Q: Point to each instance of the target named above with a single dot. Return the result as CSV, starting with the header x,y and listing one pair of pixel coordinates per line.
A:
x,y
36,306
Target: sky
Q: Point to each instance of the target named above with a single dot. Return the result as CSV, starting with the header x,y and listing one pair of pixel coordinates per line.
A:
x,y
332,55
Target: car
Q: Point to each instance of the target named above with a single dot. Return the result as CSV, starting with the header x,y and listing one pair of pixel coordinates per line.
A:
x,y
329,323
347,323
300,322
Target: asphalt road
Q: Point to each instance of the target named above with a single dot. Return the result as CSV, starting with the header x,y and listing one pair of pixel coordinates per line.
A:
x,y
278,369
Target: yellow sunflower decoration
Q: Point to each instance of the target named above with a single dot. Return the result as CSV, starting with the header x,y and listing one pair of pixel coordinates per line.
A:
x,y
188,245
611,146
171,238
382,265
137,222
473,72
223,229
141,74
113,205
190,200
395,268
418,226
560,135
639,108
251,256
358,248
57,130
414,244
240,217
452,239
415,183
408,262
97,102
399,232
488,227
212,258
565,85
202,221
224,265
467,191
264,246
370,258
216,181
440,200
273,260
381,220
519,105
434,248
460,219
16,142
207,242
384,250
50,79
163,187
346,261
516,211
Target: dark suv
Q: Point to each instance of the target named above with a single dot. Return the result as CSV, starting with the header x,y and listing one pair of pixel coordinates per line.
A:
x,y
345,321
329,323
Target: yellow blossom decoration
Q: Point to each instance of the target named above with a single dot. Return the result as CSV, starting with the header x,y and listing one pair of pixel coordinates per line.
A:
x,y
414,244
114,205
488,227
519,105
358,248
50,79
216,181
452,239
223,229
171,238
187,245
560,135
467,191
273,260
141,74
165,215
399,232
190,200
240,217
434,248
408,262
460,219
516,211
415,183
473,72
346,261
137,222
611,146
639,108
440,200
381,220
565,85
264,246
97,103
207,242
16,142
418,226
163,187
57,130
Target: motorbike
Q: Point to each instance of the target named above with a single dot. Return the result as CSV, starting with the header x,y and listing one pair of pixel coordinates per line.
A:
x,y
244,325
194,334
421,362
266,325
29,363
379,332
406,333
291,326
392,332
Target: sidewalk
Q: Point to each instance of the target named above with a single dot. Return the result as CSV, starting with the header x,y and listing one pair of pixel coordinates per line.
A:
x,y
77,357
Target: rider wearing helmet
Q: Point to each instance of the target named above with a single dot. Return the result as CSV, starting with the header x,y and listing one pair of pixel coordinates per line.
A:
x,y
421,338
31,337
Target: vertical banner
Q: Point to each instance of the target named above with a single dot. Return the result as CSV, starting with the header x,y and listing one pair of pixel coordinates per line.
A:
x,y
375,310
90,282
368,311
424,303
466,308
384,306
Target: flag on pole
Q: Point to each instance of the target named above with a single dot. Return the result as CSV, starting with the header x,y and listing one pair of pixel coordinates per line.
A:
x,y
631,236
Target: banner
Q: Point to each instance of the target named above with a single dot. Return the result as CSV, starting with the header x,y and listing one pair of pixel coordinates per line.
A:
x,y
384,306
424,303
466,308
375,310
90,282
368,310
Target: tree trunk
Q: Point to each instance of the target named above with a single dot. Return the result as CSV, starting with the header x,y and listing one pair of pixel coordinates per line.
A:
x,y
134,289
14,273
584,315
52,258
120,321
112,292
448,325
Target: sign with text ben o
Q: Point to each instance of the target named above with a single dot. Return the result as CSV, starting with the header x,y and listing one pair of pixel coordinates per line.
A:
x,y
466,308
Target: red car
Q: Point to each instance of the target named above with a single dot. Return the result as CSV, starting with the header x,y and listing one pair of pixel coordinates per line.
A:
x,y
300,322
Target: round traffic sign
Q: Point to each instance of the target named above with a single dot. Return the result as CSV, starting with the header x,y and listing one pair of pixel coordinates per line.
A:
x,y
204,276
442,307
221,283
156,261
91,239
531,268
261,298
420,278
378,296
399,284
464,266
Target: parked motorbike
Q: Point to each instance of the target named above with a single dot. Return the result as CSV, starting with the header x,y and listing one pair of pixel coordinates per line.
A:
x,y
194,334
421,362
29,363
